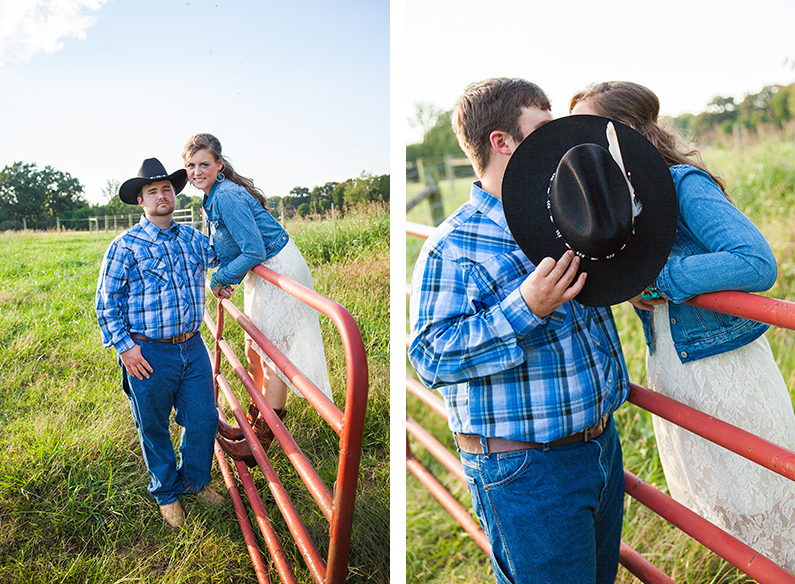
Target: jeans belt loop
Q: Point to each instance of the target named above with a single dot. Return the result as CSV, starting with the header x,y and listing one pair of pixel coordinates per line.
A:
x,y
484,445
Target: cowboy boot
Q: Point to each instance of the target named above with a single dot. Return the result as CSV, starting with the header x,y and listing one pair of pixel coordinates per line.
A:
x,y
173,515
253,413
263,431
227,430
239,450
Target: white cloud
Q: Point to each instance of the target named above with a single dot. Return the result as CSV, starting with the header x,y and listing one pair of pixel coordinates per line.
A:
x,y
30,26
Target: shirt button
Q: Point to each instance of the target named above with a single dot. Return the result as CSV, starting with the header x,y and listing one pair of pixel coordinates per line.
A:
x,y
683,354
673,321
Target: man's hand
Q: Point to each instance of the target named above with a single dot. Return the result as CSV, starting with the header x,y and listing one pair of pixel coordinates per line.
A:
x,y
550,284
642,304
135,363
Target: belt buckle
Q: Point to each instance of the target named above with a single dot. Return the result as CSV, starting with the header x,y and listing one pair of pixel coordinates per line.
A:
x,y
180,338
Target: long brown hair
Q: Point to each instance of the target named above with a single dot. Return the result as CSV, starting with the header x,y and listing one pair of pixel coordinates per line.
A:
x,y
213,145
639,107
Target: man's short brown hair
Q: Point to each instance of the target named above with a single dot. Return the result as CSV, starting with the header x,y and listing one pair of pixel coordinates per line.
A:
x,y
493,105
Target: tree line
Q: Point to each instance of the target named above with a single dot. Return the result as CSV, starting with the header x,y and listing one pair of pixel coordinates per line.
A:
x,y
41,197
773,106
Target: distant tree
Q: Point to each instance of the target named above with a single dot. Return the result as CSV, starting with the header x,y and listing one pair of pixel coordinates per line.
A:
x,y
773,105
304,209
183,201
437,141
26,191
367,188
299,196
425,116
113,204
322,197
338,196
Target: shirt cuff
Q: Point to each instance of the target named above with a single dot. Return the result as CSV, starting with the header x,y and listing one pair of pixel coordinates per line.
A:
x,y
519,316
124,345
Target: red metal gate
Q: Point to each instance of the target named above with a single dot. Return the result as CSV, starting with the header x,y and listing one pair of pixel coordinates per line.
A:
x,y
336,505
780,460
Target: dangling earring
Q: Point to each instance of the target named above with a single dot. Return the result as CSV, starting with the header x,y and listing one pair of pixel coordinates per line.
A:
x,y
220,177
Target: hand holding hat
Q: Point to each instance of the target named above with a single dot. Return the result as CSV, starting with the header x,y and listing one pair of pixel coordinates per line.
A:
x,y
600,189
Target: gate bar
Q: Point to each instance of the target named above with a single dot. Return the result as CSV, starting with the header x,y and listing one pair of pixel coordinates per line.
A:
x,y
266,527
303,540
760,568
306,471
748,445
352,431
642,568
248,533
773,311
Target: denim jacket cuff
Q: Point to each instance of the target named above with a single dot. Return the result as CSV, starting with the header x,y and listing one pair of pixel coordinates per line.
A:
x,y
665,286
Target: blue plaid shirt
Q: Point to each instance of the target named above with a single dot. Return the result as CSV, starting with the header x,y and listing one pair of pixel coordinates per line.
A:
x,y
501,370
152,282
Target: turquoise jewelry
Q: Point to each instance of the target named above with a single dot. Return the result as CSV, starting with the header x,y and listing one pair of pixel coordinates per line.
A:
x,y
650,293
214,283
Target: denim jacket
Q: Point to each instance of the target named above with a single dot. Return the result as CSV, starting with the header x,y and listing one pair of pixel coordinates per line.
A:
x,y
716,248
242,232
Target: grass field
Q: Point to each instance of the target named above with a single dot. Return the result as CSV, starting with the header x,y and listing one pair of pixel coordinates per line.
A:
x,y
73,500
761,182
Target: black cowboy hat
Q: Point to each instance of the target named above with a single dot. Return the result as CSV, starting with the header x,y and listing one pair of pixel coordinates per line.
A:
x,y
565,188
152,170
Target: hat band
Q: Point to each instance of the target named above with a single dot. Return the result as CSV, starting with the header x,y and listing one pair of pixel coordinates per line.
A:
x,y
559,235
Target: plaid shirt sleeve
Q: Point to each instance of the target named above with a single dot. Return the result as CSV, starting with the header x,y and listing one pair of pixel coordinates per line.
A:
x,y
501,370
112,296
456,336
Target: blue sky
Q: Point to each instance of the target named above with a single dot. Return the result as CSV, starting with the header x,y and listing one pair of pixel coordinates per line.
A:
x,y
297,92
686,51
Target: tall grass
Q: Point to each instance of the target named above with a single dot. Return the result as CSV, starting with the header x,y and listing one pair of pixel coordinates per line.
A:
x,y
761,182
73,500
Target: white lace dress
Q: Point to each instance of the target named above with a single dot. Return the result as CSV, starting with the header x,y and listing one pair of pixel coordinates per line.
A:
x,y
291,325
745,388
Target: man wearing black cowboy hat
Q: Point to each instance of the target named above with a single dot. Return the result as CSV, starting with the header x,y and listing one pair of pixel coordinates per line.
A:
x,y
150,305
530,376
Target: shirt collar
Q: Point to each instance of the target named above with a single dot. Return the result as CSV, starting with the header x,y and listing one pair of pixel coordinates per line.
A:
x,y
488,205
153,231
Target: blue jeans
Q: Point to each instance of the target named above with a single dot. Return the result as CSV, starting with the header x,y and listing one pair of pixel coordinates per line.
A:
x,y
552,515
182,379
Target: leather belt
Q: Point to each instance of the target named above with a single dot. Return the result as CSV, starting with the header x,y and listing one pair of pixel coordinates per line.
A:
x,y
173,340
471,443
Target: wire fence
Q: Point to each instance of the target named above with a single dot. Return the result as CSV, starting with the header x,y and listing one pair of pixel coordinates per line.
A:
x,y
106,223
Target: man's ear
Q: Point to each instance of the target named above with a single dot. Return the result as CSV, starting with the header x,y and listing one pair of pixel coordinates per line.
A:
x,y
502,142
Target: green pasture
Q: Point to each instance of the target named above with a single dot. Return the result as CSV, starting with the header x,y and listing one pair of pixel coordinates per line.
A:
x,y
761,182
73,500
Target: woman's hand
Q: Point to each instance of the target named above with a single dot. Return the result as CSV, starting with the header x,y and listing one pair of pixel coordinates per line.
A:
x,y
642,304
222,291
